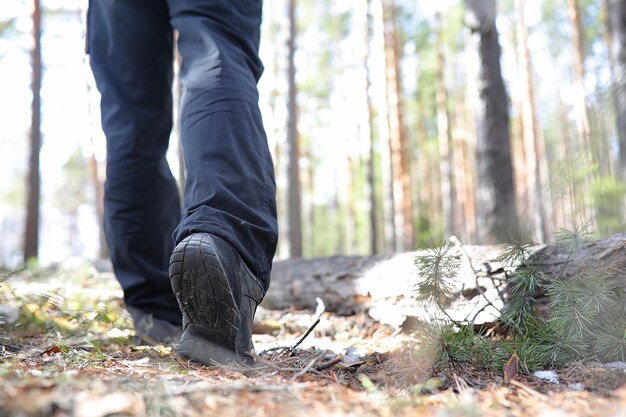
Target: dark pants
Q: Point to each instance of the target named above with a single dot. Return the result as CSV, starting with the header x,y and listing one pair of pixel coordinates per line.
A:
x,y
230,179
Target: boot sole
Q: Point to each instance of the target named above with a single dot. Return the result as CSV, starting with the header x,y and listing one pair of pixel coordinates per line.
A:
x,y
201,285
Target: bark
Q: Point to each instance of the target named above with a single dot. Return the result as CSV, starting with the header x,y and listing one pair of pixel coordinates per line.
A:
x,y
464,213
571,194
582,117
617,19
31,237
496,208
470,135
374,213
389,218
294,202
403,212
446,146
98,183
606,256
534,145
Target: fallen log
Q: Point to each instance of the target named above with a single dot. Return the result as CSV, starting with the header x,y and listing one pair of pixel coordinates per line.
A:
x,y
384,285
605,255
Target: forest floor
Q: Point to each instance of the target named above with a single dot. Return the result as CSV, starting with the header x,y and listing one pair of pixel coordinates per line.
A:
x,y
65,351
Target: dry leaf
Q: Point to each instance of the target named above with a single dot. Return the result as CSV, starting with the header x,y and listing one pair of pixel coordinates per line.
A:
x,y
52,350
510,368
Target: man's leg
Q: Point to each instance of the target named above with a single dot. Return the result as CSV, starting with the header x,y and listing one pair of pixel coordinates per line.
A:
x,y
130,46
221,268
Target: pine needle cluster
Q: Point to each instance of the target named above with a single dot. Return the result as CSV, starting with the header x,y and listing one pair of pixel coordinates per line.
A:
x,y
586,319
438,267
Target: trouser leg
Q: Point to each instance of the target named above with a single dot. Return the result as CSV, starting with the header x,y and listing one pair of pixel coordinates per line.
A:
x,y
130,46
230,188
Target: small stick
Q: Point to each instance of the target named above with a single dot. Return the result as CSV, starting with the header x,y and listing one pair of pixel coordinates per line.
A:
x,y
306,369
304,336
329,363
319,310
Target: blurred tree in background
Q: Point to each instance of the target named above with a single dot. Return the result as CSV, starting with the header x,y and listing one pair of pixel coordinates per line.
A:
x,y
390,122
31,233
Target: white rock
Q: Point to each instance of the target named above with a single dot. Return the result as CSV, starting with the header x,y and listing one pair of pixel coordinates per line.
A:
x,y
549,376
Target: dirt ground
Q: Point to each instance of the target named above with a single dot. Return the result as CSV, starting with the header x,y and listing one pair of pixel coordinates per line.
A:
x,y
65,350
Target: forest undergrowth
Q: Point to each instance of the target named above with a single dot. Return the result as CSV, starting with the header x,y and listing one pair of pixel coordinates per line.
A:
x,y
546,322
66,350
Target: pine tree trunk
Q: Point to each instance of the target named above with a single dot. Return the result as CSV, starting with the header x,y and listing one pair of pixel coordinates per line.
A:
x,y
422,178
399,148
98,184
446,149
534,146
582,116
293,171
496,209
31,237
471,178
386,166
368,137
464,218
571,202
617,14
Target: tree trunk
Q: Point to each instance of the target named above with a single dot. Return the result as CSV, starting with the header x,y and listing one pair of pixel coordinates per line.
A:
x,y
386,166
463,214
399,148
31,237
582,117
293,171
496,209
617,19
571,202
98,184
534,146
446,147
470,133
374,212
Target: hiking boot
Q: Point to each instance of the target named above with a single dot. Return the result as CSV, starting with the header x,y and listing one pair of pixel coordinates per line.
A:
x,y
218,296
150,330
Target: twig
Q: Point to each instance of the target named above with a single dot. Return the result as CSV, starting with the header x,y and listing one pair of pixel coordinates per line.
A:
x,y
312,371
329,363
308,367
319,310
304,336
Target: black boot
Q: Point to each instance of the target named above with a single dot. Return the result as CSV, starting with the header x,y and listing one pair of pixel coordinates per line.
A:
x,y
150,330
218,296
